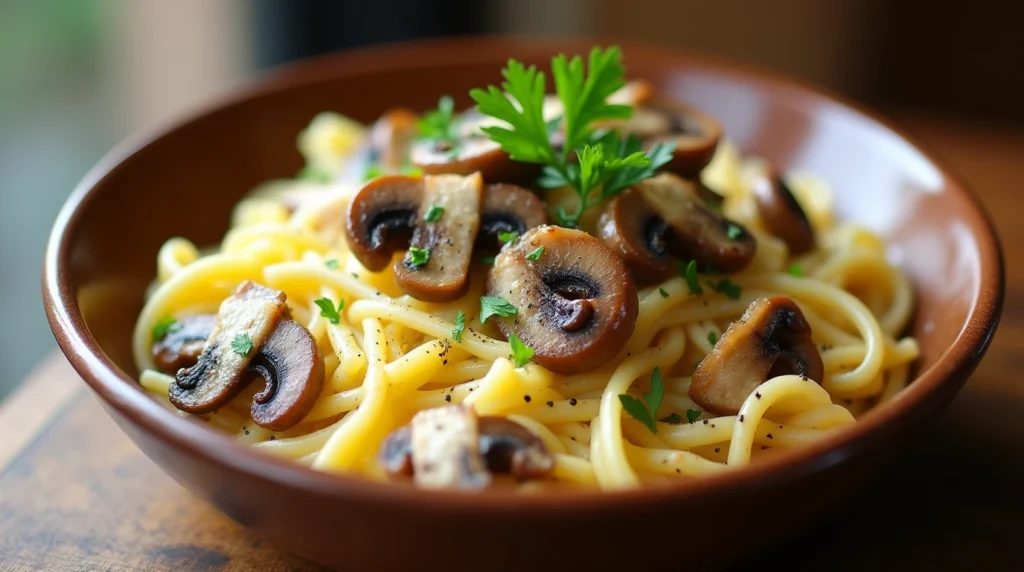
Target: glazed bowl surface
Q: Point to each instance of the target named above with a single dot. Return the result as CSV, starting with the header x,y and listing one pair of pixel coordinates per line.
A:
x,y
185,179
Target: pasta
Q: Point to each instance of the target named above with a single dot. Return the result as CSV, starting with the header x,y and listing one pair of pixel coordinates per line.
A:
x,y
387,356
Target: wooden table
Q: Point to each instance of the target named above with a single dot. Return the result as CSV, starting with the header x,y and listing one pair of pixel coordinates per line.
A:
x,y
75,494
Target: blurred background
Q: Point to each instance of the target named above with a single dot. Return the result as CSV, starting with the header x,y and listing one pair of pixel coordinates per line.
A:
x,y
77,76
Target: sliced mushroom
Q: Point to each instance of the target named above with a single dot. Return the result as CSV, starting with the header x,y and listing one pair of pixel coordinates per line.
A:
x,y
508,208
695,134
252,311
448,241
182,347
771,339
291,364
445,449
473,152
781,214
505,447
577,302
391,139
381,217
664,218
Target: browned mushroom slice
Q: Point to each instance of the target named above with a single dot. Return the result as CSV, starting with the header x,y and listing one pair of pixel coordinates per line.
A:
x,y
664,217
577,302
293,368
695,134
445,449
471,155
781,214
381,217
436,267
245,320
771,339
506,448
182,346
508,208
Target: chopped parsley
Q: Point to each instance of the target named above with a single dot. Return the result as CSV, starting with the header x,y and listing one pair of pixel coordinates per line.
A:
x,y
418,257
496,306
314,173
372,172
712,338
437,124
536,253
460,326
521,353
242,344
796,271
488,260
663,293
332,263
164,326
434,213
507,237
645,411
727,287
328,310
733,231
693,415
689,272
673,419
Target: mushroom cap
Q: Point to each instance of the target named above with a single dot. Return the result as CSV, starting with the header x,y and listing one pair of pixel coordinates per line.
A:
x,y
472,154
694,133
665,217
577,303
781,213
508,208
293,368
771,339
183,346
449,240
381,217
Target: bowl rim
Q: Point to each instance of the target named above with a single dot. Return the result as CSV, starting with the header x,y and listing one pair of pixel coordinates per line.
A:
x,y
196,439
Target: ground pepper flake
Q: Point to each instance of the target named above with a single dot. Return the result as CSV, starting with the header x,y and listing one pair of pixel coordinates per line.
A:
x,y
572,402
526,398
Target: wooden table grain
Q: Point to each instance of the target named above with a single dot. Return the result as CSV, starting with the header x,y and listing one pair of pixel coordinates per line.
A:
x,y
76,495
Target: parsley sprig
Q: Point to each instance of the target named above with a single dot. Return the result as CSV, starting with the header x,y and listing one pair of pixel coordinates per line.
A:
x,y
328,310
460,326
605,164
242,344
646,411
438,124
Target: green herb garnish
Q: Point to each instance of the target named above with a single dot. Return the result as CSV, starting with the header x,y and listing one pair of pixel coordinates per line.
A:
x,y
663,293
795,271
693,414
496,306
507,237
488,260
372,172
727,287
434,213
418,256
331,263
536,253
164,326
712,338
689,272
521,353
673,419
328,310
733,231
437,124
241,344
460,326
314,173
646,411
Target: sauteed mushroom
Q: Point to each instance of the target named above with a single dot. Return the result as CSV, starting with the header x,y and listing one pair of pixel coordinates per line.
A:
x,y
181,347
504,446
391,139
292,366
381,217
508,208
445,449
781,214
694,133
578,303
663,218
771,339
250,315
447,242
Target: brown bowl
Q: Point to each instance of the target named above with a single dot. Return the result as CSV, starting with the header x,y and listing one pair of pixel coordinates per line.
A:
x,y
185,179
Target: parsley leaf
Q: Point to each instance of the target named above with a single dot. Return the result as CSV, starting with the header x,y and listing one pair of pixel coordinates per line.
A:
x,y
332,263
488,260
523,109
328,310
536,253
689,271
646,410
460,326
418,257
317,174
796,271
506,237
663,293
727,287
434,213
693,414
712,338
673,419
628,176
521,353
241,344
496,306
585,97
437,123
733,231
164,326
372,172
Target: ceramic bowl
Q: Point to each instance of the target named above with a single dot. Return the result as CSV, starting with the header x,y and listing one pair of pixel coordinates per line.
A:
x,y
184,180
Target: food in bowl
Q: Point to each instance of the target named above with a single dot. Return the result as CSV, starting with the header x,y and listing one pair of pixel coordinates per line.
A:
x,y
587,289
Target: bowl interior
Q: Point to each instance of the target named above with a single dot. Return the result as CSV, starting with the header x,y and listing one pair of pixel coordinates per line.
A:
x,y
185,182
